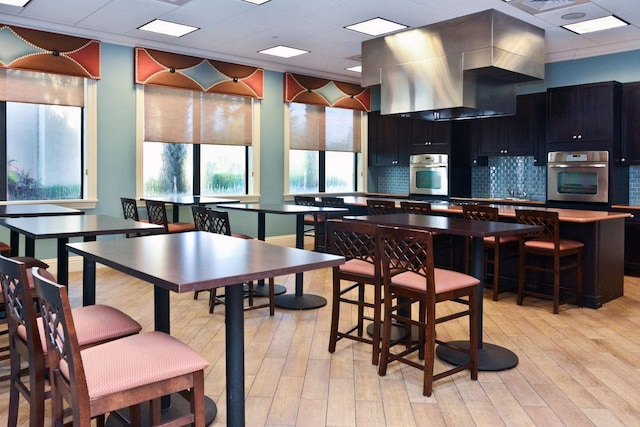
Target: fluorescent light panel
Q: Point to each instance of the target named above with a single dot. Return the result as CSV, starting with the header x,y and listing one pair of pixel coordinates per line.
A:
x,y
283,51
168,28
257,1
376,27
19,3
598,24
356,69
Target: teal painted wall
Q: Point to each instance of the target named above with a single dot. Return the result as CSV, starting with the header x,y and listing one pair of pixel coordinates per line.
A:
x,y
116,131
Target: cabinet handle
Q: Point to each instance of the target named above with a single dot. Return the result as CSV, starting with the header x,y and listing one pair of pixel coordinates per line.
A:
x,y
394,162
579,136
622,160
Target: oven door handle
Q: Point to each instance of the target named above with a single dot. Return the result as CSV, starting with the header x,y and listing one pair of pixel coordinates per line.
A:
x,y
600,165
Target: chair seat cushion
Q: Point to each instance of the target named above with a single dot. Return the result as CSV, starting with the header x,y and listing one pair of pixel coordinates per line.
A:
x,y
359,267
565,244
94,324
136,361
446,280
503,239
178,227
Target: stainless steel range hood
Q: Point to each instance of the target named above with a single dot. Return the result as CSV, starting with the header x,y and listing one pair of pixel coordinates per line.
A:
x,y
461,68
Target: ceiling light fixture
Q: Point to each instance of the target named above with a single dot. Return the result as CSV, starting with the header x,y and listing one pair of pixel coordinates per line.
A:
x,y
168,28
19,3
356,69
598,24
376,27
283,51
258,2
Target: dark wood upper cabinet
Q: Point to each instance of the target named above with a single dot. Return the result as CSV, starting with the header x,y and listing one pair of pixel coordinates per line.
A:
x,y
389,140
631,123
584,113
430,137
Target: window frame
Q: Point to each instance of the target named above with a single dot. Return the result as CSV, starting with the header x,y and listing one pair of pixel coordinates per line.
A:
x,y
253,161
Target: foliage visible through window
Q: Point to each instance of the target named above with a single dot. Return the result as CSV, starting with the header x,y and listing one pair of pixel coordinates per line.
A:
x,y
167,168
44,152
223,170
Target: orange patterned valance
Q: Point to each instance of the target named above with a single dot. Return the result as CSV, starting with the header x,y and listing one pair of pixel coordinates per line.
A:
x,y
329,93
158,68
35,50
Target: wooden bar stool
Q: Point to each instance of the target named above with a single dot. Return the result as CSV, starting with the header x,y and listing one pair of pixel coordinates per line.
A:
x,y
381,207
548,244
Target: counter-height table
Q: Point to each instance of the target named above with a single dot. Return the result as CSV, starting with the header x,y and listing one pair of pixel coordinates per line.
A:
x,y
64,227
30,210
184,200
491,357
196,261
299,300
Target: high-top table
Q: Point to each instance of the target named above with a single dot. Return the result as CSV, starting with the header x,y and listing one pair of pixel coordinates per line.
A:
x,y
185,200
64,227
196,261
30,210
299,300
491,357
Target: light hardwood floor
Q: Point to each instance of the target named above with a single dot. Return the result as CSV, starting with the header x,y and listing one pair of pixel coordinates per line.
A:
x,y
578,368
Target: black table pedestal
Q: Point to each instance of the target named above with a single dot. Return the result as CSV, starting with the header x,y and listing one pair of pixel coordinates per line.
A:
x,y
300,302
490,356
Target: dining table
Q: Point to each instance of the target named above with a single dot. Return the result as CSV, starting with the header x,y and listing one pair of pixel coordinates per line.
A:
x,y
31,210
186,200
64,227
491,357
298,300
196,261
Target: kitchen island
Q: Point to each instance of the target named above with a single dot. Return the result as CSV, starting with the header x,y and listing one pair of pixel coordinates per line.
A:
x,y
601,232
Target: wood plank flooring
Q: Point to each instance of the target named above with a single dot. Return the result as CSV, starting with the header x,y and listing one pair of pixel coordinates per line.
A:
x,y
578,368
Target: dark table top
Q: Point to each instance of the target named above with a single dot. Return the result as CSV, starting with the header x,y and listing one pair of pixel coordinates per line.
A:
x,y
191,200
197,260
282,208
44,209
55,227
456,226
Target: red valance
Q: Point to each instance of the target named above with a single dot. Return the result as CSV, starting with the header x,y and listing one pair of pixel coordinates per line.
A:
x,y
35,50
329,93
159,68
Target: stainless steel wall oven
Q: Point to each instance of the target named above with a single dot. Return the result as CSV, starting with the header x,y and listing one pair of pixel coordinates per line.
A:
x,y
429,174
578,176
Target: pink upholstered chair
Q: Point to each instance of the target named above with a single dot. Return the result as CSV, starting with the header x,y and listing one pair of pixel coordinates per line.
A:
x,y
96,324
141,368
157,214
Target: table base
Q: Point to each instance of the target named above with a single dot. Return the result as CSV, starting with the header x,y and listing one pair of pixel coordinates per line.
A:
x,y
178,406
397,331
263,290
300,302
491,357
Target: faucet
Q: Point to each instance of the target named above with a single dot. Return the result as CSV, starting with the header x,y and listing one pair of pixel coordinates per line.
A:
x,y
511,192
523,194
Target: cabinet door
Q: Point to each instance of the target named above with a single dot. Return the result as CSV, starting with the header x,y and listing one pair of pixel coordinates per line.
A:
x,y
383,139
631,123
429,137
562,112
537,127
493,139
597,101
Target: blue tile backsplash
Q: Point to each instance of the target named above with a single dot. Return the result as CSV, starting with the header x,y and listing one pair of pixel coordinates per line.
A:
x,y
634,185
494,180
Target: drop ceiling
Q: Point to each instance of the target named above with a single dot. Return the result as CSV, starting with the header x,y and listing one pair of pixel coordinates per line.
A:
x,y
235,30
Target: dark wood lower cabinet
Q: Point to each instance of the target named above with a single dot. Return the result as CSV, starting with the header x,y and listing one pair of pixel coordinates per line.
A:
x,y
632,247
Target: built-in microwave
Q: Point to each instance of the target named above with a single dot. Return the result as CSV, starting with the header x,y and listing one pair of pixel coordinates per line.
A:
x,y
429,174
578,176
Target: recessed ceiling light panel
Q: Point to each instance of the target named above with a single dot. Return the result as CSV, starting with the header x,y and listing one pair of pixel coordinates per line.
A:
x,y
257,1
19,3
356,69
598,24
283,51
168,28
376,27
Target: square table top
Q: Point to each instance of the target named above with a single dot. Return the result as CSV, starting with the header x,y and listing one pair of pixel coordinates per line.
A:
x,y
283,208
55,227
40,209
190,200
198,260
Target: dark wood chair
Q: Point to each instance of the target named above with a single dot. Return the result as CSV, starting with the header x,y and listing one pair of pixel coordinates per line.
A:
x,y
357,242
493,247
215,221
562,254
27,336
141,368
310,220
326,201
157,214
130,211
410,277
381,207
441,241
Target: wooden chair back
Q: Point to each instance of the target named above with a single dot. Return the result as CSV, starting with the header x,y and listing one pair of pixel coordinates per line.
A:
x,y
381,207
404,250
304,200
418,208
157,213
548,220
354,240
480,212
332,201
129,208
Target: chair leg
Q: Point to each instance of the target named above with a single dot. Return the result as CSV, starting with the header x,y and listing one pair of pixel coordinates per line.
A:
x,y
522,276
377,308
496,270
212,299
14,395
556,284
429,351
272,295
473,333
360,309
335,314
386,335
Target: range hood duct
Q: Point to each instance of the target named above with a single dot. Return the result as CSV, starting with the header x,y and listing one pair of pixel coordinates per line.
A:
x,y
462,68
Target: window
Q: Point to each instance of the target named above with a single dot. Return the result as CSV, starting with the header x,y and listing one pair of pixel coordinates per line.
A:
x,y
42,127
324,149
196,143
